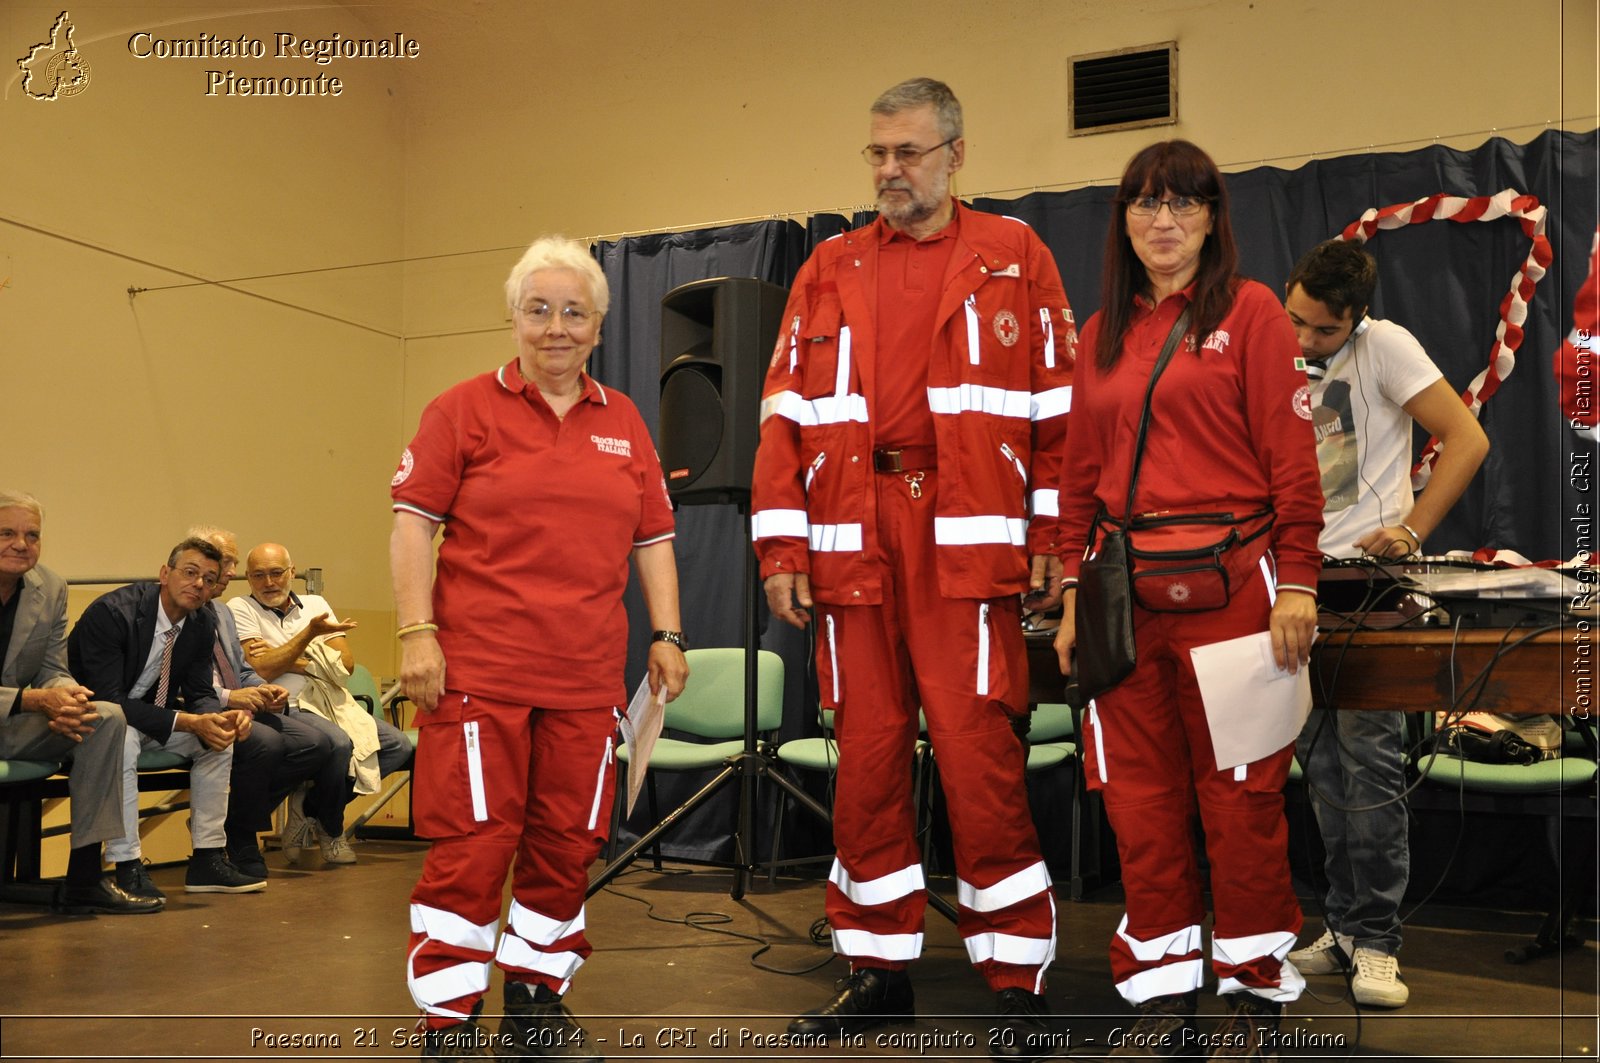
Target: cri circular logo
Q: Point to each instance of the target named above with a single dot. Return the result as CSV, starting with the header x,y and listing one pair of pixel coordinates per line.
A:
x,y
1302,401
1006,327
407,463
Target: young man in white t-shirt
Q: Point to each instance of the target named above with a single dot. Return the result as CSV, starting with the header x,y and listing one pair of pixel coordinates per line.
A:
x,y
1369,381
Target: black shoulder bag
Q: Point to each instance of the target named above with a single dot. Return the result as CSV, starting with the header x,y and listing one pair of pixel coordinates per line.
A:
x,y
1104,608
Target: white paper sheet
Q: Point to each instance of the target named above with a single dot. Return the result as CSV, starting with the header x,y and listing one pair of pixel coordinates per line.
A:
x,y
640,729
1253,707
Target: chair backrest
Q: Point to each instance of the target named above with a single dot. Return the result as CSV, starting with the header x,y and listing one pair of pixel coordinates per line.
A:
x,y
364,689
1049,723
712,702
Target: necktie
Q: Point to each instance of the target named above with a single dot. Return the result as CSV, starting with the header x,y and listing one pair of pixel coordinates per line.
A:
x,y
165,681
229,678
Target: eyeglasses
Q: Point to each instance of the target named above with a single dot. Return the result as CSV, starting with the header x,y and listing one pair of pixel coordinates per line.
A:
x,y
1180,206
189,574
573,317
877,155
272,575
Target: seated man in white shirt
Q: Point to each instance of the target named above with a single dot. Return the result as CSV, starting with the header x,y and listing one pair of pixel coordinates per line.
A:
x,y
289,752
277,629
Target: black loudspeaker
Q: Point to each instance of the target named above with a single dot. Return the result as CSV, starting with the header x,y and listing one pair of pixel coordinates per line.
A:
x,y
717,337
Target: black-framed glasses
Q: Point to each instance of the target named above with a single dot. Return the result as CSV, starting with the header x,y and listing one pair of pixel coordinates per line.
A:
x,y
1180,206
573,317
189,574
877,154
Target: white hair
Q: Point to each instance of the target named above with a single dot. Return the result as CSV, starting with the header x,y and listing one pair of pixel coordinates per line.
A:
x,y
558,252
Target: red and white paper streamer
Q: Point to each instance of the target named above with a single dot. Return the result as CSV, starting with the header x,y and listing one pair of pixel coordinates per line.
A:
x,y
1513,309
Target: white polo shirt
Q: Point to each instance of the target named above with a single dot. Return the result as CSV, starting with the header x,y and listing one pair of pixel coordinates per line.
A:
x,y
255,620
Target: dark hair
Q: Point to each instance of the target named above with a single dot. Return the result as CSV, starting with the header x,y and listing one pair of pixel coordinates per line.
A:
x,y
199,546
1170,167
1339,274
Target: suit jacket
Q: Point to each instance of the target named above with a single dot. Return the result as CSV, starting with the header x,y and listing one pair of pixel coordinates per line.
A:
x,y
228,639
37,656
111,641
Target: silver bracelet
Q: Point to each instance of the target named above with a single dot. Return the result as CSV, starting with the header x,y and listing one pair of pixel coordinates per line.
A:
x,y
1409,530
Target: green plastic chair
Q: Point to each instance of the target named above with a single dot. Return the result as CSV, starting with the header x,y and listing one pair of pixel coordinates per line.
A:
x,y
711,709
1051,724
21,806
1549,789
364,688
18,771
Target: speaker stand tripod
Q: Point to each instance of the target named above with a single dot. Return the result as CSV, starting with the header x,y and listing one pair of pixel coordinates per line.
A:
x,y
744,767
751,763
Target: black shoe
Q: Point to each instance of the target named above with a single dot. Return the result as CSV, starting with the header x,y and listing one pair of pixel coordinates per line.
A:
x,y
869,997
1249,1030
104,896
134,877
1020,1031
464,1040
1165,1029
540,1027
210,872
248,859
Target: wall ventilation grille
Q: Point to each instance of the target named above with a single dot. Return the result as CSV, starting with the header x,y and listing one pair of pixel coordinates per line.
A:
x,y
1125,89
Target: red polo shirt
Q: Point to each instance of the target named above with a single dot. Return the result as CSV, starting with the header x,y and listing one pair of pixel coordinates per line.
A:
x,y
540,515
910,281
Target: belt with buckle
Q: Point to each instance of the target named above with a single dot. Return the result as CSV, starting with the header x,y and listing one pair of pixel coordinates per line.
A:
x,y
902,459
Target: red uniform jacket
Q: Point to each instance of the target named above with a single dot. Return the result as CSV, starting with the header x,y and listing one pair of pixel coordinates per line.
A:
x,y
999,387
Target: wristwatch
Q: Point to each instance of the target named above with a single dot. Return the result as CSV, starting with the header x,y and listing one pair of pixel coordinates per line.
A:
x,y
674,637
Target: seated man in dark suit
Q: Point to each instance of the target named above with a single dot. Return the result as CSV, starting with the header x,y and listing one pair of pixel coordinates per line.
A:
x,y
147,647
287,747
45,714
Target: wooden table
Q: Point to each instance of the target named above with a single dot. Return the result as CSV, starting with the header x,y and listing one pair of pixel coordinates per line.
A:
x,y
1412,668
1425,668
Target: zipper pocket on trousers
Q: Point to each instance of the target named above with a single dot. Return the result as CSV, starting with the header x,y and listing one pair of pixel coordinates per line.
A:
x,y
480,804
600,784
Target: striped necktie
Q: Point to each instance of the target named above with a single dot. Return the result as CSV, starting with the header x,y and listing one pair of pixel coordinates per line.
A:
x,y
229,679
164,683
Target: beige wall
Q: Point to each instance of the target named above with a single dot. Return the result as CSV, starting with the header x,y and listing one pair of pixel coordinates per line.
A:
x,y
131,419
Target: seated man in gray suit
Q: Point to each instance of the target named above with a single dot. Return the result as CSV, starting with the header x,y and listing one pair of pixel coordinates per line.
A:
x,y
45,714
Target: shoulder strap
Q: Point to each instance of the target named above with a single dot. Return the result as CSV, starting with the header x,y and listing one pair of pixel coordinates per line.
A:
x,y
1178,328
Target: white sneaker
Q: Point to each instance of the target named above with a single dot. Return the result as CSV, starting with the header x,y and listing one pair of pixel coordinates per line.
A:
x,y
1322,956
298,831
336,850
1377,981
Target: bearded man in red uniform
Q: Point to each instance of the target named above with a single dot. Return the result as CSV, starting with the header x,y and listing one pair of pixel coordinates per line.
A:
x,y
913,423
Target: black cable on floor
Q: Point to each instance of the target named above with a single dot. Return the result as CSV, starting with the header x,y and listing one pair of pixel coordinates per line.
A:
x,y
711,923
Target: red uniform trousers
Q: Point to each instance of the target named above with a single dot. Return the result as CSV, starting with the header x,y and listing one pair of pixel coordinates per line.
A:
x,y
962,661
495,781
1149,751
